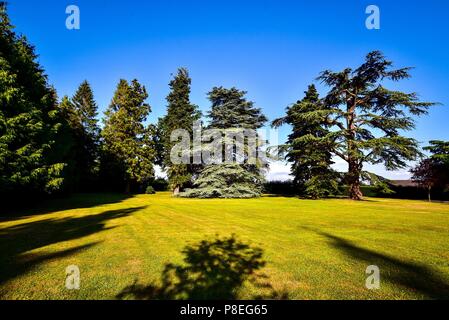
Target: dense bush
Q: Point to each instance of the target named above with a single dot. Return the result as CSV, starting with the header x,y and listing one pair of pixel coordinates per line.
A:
x,y
160,184
279,187
150,190
419,193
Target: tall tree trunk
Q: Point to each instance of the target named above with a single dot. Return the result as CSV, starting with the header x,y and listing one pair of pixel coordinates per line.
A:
x,y
354,167
428,193
354,181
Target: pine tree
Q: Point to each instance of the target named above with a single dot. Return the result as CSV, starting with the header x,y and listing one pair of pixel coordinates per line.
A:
x,y
128,150
81,135
230,110
86,107
70,134
309,155
29,118
367,119
181,114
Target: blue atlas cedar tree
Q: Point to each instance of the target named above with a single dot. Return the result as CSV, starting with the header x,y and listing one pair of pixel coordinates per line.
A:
x,y
230,110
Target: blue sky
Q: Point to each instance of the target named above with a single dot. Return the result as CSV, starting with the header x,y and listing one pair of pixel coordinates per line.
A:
x,y
272,49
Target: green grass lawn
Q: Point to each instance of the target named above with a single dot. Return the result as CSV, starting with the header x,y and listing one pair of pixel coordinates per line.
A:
x,y
307,249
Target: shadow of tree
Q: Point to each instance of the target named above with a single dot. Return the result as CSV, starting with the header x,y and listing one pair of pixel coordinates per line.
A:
x,y
17,241
75,201
213,270
413,276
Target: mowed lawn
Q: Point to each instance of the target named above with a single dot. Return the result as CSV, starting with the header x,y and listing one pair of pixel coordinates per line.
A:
x,y
310,249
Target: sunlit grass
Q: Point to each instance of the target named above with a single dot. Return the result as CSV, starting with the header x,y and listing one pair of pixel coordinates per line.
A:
x,y
312,249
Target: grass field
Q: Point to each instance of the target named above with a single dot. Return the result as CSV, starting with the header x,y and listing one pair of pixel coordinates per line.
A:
x,y
284,248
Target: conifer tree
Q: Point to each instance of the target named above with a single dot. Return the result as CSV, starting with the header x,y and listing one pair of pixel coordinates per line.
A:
x,y
230,110
70,134
86,108
181,114
128,149
367,119
308,153
80,126
29,118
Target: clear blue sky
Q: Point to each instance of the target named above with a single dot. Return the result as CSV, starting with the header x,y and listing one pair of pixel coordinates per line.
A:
x,y
272,49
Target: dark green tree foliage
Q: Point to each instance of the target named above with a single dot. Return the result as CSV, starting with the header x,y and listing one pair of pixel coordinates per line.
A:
x,y
433,172
230,110
81,132
70,134
128,150
181,114
309,154
367,119
439,151
86,108
29,118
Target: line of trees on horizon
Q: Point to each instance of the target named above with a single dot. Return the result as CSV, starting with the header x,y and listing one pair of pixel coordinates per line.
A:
x,y
52,146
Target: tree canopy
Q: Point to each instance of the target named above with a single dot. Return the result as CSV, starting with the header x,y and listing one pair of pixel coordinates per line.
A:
x,y
433,172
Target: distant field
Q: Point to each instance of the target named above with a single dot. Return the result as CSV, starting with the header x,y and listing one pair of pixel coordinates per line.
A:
x,y
309,249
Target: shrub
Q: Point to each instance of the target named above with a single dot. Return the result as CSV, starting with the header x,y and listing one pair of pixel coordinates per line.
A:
x,y
280,187
150,190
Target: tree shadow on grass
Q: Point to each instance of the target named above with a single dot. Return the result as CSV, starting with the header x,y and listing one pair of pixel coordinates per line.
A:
x,y
212,270
413,276
17,241
76,201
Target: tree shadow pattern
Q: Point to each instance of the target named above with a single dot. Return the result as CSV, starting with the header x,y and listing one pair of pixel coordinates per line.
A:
x,y
16,241
22,210
214,269
415,277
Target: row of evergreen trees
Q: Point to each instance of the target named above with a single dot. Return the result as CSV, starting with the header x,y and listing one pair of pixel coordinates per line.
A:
x,y
47,146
